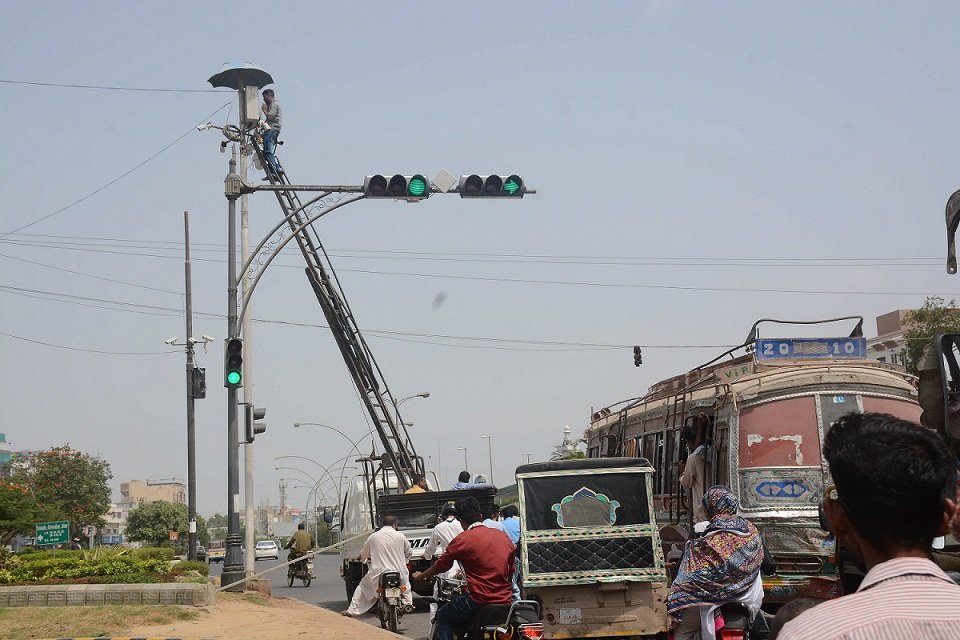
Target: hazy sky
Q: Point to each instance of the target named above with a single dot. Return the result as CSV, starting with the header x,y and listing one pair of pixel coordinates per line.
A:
x,y
698,166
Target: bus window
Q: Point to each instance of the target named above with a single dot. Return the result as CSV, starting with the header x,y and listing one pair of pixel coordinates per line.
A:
x,y
721,444
781,433
834,405
653,452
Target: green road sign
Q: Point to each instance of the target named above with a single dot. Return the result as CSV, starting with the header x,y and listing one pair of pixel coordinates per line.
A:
x,y
53,532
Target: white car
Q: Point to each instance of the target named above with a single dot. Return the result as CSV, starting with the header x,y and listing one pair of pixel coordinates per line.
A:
x,y
266,549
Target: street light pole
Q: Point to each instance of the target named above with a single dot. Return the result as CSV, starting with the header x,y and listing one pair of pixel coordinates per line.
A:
x,y
233,561
490,454
466,467
191,412
248,492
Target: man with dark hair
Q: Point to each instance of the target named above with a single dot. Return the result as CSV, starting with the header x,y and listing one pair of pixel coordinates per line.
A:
x,y
419,484
386,550
890,501
273,119
487,557
510,517
490,513
443,533
692,476
463,482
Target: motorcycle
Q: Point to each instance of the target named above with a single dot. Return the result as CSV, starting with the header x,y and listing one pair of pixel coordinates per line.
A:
x,y
301,570
390,600
518,620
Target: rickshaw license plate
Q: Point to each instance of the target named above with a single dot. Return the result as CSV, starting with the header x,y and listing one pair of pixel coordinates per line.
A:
x,y
571,616
392,592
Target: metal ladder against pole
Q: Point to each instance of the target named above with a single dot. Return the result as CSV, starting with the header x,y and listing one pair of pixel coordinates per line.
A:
x,y
359,359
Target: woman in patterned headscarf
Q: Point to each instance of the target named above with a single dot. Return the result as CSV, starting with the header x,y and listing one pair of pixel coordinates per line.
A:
x,y
723,565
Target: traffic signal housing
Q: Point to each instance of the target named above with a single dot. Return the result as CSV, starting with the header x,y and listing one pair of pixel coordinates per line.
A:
x,y
476,186
637,356
252,427
233,363
410,188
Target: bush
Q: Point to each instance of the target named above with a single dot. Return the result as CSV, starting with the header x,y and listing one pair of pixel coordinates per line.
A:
x,y
25,551
71,567
163,553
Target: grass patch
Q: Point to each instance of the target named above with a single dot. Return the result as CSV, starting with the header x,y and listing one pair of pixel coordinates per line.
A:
x,y
53,622
253,598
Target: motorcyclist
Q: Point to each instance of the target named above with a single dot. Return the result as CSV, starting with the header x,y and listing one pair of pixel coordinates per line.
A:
x,y
487,558
299,544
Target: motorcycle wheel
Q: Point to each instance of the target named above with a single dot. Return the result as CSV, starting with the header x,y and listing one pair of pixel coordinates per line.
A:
x,y
289,580
306,581
392,617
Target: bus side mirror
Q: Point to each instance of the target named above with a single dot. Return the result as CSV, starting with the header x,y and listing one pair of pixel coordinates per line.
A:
x,y
939,385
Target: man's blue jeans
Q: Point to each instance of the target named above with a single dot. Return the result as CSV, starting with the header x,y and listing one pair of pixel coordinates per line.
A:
x,y
455,613
270,150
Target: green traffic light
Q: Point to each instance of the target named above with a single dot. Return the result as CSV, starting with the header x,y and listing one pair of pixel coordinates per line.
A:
x,y
417,186
511,187
233,377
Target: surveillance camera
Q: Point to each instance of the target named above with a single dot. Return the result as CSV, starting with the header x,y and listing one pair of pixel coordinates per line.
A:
x,y
223,147
191,341
170,340
205,125
207,338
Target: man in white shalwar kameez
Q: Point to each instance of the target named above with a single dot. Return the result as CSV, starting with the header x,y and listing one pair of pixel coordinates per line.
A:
x,y
445,531
386,550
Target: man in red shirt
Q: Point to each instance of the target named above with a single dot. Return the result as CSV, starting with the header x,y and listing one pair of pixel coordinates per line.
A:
x,y
487,557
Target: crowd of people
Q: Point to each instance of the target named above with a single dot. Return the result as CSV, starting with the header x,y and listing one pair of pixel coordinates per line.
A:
x,y
893,493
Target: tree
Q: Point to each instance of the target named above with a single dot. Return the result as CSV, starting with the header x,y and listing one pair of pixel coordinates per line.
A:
x,y
19,511
152,523
70,484
933,318
217,520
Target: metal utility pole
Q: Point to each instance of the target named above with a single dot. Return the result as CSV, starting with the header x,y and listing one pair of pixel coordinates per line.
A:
x,y
232,562
249,558
490,455
191,390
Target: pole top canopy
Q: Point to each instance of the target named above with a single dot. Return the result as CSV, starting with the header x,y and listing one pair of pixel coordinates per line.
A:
x,y
236,75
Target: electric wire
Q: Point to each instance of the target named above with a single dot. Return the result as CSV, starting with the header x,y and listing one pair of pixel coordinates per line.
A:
x,y
90,275
107,88
114,181
152,310
579,283
69,348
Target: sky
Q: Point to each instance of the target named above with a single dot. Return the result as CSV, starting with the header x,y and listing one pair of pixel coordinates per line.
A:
x,y
697,166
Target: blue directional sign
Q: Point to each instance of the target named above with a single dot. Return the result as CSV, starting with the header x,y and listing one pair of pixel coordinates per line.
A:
x,y
808,348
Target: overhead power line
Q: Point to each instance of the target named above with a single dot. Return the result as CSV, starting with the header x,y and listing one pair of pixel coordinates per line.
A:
x,y
152,310
107,88
69,348
115,180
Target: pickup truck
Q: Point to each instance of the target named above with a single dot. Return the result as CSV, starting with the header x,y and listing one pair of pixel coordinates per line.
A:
x,y
215,554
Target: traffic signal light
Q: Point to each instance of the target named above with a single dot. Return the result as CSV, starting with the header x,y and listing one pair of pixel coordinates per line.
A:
x,y
251,415
199,380
410,188
233,363
637,357
475,186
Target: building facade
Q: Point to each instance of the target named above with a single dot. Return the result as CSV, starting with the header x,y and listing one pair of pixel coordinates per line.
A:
x,y
135,492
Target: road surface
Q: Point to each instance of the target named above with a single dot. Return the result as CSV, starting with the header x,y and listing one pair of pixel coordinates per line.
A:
x,y
327,591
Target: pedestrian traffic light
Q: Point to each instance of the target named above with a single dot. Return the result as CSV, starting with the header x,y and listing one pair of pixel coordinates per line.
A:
x,y
637,356
410,188
475,186
233,363
252,427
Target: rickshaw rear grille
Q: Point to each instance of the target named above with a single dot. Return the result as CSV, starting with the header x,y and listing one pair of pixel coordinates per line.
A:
x,y
799,564
596,554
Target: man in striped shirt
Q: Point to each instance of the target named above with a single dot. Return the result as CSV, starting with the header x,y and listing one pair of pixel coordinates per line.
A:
x,y
893,479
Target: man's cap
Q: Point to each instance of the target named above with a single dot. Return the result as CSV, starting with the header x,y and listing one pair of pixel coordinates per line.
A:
x,y
267,92
448,509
